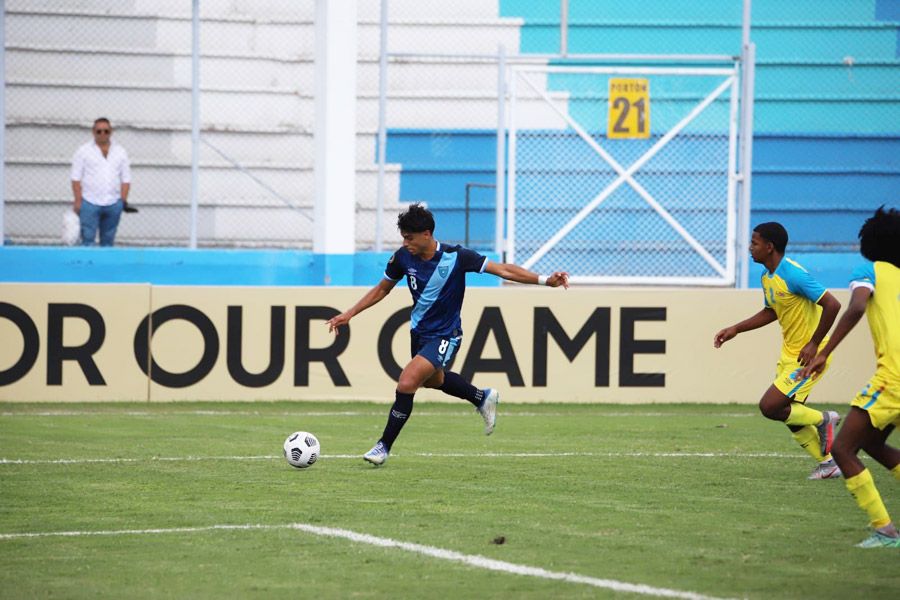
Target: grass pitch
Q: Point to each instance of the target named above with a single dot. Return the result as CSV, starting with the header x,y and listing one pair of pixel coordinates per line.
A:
x,y
683,500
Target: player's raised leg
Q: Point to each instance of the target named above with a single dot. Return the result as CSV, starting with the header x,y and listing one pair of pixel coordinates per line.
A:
x,y
413,376
804,423
857,433
484,400
488,410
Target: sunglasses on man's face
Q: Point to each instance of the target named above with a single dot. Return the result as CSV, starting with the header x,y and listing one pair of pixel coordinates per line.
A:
x,y
101,131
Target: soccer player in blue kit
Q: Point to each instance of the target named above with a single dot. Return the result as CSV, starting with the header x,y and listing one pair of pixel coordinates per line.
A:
x,y
436,276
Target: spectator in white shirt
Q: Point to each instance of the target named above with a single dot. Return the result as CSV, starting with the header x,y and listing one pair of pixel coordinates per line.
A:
x,y
101,180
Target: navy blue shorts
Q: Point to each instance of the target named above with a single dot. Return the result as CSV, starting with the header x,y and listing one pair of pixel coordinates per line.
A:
x,y
436,350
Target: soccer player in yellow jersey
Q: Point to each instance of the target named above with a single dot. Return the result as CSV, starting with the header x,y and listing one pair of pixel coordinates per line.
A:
x,y
875,411
806,311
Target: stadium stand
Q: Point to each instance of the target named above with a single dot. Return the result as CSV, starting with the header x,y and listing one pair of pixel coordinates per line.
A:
x,y
68,63
827,126
827,120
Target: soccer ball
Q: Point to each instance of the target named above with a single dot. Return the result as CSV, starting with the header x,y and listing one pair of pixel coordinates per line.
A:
x,y
301,449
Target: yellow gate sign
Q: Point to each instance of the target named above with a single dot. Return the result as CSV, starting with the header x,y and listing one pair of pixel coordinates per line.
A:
x,y
629,109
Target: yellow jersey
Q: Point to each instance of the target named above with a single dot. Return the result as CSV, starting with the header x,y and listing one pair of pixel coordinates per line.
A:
x,y
793,293
883,314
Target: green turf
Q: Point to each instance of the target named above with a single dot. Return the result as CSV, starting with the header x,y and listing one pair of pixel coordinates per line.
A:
x,y
744,522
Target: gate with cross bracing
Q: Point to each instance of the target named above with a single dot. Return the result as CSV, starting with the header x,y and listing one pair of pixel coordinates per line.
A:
x,y
624,174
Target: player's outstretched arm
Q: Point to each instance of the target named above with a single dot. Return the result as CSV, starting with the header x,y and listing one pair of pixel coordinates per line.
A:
x,y
372,297
760,319
830,308
516,273
855,310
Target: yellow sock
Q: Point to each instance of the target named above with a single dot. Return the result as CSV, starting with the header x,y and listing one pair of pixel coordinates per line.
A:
x,y
896,472
808,438
803,415
867,497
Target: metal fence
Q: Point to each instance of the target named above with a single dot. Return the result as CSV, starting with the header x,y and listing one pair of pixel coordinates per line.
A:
x,y
631,178
537,201
69,63
228,161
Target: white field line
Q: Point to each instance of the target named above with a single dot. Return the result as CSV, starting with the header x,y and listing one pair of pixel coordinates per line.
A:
x,y
149,459
351,413
472,560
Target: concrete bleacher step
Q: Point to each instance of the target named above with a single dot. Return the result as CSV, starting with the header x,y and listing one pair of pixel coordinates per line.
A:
x,y
278,36
62,65
781,41
366,9
175,8
697,10
57,141
167,224
80,66
219,183
261,108
164,33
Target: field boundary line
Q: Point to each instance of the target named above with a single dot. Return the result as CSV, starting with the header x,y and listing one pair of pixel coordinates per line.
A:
x,y
473,560
150,459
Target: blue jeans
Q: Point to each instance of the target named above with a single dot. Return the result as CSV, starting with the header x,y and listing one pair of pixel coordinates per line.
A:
x,y
105,218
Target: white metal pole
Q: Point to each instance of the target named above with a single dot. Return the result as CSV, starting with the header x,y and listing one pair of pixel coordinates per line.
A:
x,y
511,174
334,133
731,214
382,125
564,27
746,160
748,67
2,117
745,23
501,149
195,118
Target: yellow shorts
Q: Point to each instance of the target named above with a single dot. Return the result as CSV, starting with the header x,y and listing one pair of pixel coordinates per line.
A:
x,y
786,378
881,401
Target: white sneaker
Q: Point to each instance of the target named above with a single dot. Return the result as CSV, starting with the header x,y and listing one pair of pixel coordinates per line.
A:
x,y
826,470
377,455
488,410
830,421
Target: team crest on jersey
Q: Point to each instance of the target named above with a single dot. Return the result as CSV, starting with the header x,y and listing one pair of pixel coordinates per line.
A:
x,y
443,271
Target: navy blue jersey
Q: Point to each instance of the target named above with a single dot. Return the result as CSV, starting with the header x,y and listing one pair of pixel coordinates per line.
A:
x,y
437,286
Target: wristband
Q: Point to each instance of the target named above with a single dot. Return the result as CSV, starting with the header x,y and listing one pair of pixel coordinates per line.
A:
x,y
542,280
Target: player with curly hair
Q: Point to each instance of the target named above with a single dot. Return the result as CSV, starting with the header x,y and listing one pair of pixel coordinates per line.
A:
x,y
875,411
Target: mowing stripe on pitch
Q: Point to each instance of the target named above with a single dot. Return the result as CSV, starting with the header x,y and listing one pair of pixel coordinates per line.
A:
x,y
350,413
147,459
472,560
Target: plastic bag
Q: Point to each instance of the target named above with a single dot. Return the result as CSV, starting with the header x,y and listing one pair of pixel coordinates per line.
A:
x,y
71,230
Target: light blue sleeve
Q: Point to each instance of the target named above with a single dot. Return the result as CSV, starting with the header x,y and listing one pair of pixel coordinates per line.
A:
x,y
864,273
801,283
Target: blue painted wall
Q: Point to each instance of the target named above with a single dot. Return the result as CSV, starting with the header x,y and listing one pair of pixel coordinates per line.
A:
x,y
827,133
265,268
171,266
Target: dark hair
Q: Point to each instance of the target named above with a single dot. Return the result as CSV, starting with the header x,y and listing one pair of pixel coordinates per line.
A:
x,y
775,233
102,120
416,219
879,237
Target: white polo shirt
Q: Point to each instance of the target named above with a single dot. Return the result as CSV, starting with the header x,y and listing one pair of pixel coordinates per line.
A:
x,y
101,176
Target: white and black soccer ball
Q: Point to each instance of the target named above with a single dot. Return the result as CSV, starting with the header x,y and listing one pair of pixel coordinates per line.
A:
x,y
301,449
